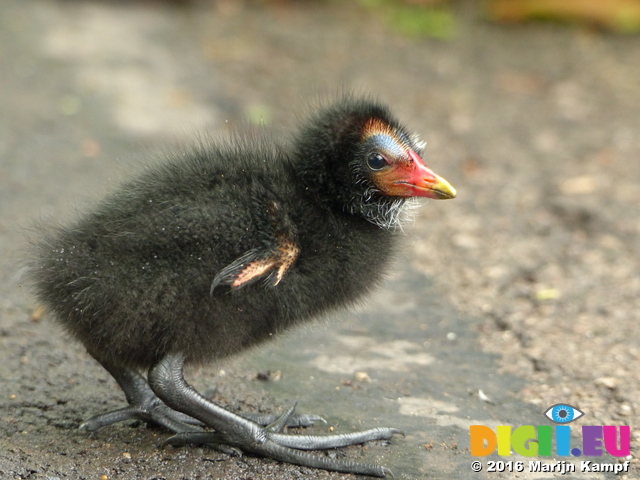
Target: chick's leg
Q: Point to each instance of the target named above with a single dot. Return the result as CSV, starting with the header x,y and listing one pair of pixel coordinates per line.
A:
x,y
236,432
146,406
143,405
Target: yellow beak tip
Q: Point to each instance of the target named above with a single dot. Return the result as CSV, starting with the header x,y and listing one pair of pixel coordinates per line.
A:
x,y
443,189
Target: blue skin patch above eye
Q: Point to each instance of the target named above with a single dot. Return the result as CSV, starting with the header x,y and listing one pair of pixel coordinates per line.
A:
x,y
387,144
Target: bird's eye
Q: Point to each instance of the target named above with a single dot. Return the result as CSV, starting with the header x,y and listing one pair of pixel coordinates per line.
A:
x,y
375,161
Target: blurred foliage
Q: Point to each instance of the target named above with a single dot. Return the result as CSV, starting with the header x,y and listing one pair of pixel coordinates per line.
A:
x,y
617,15
437,18
420,18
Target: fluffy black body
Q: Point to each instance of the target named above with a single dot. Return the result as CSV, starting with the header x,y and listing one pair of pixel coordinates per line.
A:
x,y
132,279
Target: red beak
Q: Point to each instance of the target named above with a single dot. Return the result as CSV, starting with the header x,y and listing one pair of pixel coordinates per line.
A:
x,y
412,178
423,182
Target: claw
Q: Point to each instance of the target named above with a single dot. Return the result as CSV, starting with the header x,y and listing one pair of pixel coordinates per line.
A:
x,y
296,420
127,413
187,438
229,450
307,420
282,421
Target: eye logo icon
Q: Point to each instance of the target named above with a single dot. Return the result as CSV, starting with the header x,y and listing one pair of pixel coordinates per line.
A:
x,y
563,413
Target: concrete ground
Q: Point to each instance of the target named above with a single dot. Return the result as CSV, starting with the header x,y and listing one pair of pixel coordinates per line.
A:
x,y
522,293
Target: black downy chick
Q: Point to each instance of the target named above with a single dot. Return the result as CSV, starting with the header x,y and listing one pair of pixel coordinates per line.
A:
x,y
221,248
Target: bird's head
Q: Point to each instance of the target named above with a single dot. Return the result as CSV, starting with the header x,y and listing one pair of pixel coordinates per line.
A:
x,y
356,156
391,162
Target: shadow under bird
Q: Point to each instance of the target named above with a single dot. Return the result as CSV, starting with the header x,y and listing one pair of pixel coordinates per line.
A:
x,y
220,248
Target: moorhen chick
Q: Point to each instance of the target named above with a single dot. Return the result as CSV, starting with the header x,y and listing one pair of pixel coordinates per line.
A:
x,y
220,248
